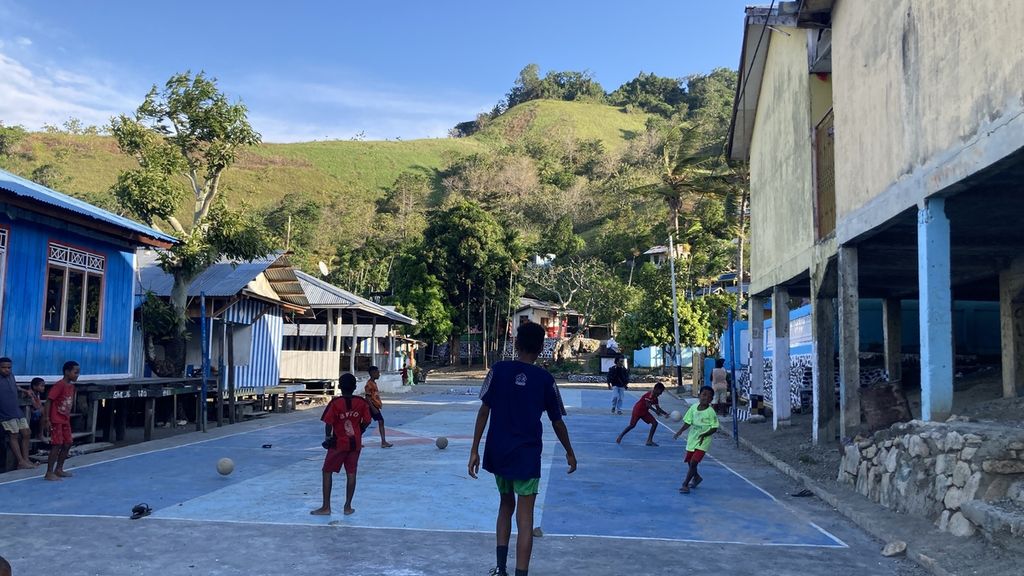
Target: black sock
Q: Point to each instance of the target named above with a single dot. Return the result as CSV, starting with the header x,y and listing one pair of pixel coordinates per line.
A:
x,y
521,572
502,554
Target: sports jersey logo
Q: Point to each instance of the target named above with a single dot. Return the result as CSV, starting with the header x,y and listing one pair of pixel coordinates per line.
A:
x,y
520,379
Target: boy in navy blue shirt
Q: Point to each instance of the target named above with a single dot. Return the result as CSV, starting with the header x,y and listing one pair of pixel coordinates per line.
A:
x,y
515,395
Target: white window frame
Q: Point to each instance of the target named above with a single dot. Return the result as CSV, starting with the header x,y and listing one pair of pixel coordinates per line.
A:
x,y
67,258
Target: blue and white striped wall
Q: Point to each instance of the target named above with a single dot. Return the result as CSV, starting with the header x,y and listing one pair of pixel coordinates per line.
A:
x,y
262,368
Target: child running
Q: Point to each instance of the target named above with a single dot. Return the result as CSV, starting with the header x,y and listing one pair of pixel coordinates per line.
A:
x,y
642,411
372,394
702,422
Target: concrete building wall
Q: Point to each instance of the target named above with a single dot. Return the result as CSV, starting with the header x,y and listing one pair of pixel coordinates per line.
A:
x,y
917,83
781,186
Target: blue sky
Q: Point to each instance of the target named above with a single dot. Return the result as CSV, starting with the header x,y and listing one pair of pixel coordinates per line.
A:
x,y
329,70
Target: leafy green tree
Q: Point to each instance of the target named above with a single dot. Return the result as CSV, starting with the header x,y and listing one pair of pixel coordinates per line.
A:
x,y
468,256
50,175
10,137
651,93
560,240
188,130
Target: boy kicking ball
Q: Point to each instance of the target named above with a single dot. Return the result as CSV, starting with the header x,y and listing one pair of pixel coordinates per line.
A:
x,y
642,411
702,422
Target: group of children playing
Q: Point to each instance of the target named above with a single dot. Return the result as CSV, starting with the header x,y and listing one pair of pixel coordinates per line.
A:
x,y
53,416
514,397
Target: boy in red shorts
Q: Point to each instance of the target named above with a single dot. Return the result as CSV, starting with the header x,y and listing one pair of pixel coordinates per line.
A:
x,y
57,416
642,411
702,422
346,418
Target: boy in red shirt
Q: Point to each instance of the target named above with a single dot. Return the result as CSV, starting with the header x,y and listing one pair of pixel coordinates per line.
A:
x,y
345,418
57,415
641,411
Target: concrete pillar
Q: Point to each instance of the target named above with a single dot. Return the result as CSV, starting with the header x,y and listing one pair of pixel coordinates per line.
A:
x,y
1011,326
756,315
849,342
936,310
892,335
355,344
823,327
781,403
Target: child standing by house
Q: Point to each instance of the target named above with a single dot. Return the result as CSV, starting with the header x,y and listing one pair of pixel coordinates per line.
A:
x,y
36,393
372,394
514,396
12,419
59,403
346,418
720,384
642,411
702,422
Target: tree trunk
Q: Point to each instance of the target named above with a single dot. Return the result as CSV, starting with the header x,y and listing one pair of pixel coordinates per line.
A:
x,y
174,349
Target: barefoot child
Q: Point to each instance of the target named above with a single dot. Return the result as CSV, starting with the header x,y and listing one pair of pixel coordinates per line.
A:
x,y
346,418
702,422
642,411
372,394
12,419
57,415
514,396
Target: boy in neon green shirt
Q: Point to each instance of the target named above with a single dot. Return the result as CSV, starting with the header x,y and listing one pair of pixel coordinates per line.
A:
x,y
702,422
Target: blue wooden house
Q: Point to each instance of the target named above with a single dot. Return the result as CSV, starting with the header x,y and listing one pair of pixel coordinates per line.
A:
x,y
66,282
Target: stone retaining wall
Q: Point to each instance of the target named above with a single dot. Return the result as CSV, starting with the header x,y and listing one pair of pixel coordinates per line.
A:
x,y
931,469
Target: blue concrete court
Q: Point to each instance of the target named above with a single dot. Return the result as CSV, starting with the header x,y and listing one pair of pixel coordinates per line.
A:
x,y
620,491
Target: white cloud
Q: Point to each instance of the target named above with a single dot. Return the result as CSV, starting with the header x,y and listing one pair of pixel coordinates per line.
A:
x,y
23,41
36,95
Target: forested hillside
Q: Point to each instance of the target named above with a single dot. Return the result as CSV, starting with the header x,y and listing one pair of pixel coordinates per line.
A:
x,y
559,166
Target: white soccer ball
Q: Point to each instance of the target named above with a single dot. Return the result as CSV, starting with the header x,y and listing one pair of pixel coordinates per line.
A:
x,y
675,416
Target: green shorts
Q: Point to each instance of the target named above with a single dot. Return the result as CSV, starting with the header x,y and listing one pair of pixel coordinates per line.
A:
x,y
520,487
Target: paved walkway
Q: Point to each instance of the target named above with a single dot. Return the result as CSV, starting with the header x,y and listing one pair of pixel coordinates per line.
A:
x,y
417,511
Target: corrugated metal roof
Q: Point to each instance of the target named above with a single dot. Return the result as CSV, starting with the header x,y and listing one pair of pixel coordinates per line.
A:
x,y
225,278
526,303
321,294
27,189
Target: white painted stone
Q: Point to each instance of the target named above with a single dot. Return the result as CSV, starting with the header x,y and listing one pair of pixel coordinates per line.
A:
x,y
869,452
954,441
885,490
891,460
851,459
944,463
954,497
972,439
972,485
1015,445
942,484
968,452
960,526
887,444
961,472
944,520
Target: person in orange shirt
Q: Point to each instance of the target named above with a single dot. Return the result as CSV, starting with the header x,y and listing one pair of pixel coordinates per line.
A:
x,y
372,394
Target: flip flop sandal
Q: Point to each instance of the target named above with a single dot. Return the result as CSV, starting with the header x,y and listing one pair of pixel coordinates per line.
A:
x,y
140,510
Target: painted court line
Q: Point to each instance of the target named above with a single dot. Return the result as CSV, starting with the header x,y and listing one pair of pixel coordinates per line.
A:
x,y
154,451
840,543
428,530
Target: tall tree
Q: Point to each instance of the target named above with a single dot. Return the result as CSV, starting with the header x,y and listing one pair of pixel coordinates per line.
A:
x,y
188,132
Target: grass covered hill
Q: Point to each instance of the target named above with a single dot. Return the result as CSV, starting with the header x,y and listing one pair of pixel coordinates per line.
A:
x,y
348,175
